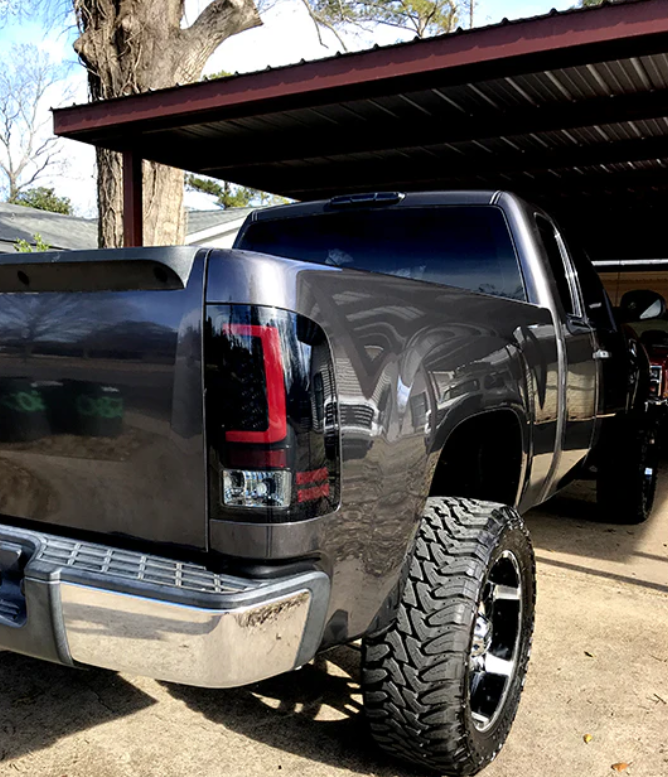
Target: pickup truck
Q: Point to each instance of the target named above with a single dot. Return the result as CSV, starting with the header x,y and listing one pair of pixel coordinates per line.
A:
x,y
215,464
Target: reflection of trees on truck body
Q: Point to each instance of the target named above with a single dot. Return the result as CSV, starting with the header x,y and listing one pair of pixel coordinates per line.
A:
x,y
93,326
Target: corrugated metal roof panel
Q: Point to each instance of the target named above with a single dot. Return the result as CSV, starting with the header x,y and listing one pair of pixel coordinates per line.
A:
x,y
568,109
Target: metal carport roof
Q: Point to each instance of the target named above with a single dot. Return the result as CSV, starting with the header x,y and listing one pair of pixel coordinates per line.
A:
x,y
569,109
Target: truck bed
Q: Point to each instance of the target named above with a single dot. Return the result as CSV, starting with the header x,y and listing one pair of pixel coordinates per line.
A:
x,y
101,419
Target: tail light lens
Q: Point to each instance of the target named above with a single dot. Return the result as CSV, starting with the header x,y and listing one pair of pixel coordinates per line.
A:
x,y
271,416
254,358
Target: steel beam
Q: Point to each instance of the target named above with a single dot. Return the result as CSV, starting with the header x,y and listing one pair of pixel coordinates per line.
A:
x,y
402,134
133,211
382,172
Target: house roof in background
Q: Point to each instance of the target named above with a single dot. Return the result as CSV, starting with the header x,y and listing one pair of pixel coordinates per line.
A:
x,y
18,222
204,220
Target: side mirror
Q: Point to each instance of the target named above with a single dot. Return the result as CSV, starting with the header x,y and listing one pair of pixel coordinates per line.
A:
x,y
641,305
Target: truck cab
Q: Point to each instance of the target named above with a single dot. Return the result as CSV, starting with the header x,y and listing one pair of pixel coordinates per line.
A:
x,y
215,464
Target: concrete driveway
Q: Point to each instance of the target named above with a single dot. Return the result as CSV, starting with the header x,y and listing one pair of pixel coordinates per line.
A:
x,y
599,667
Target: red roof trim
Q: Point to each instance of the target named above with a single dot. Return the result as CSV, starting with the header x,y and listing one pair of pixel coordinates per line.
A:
x,y
565,31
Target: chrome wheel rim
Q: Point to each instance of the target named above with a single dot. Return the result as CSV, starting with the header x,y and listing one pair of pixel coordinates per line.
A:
x,y
496,641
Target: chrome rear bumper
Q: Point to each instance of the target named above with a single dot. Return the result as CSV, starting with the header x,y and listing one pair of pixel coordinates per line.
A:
x,y
92,604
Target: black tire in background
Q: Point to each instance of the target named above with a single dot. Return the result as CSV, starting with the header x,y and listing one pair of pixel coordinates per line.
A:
x,y
628,470
442,685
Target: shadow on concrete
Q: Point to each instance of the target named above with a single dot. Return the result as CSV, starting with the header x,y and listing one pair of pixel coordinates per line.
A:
x,y
606,575
570,533
41,703
315,713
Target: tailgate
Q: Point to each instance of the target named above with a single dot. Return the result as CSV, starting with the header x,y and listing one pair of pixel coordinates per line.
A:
x,y
101,421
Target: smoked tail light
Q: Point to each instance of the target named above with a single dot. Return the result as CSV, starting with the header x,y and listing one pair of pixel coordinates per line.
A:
x,y
271,416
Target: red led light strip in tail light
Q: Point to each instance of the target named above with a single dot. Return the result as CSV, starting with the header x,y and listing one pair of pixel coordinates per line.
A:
x,y
273,371
313,479
316,492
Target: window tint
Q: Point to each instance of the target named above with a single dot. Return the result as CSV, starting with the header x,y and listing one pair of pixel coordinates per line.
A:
x,y
549,240
596,301
468,247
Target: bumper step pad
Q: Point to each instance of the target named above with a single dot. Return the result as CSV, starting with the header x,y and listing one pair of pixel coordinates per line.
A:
x,y
129,611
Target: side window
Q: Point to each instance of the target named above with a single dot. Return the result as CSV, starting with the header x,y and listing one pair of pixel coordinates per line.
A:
x,y
559,265
596,301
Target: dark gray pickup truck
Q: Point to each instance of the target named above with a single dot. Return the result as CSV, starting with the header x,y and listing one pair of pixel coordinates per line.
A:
x,y
215,464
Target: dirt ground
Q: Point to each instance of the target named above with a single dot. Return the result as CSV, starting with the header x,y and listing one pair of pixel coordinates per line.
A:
x,y
599,667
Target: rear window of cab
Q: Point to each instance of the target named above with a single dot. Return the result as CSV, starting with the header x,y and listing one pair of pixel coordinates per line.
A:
x,y
468,247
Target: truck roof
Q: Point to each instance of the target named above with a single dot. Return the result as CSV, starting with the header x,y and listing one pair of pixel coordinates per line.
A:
x,y
393,198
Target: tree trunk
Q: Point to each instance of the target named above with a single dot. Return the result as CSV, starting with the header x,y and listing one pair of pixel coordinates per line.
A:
x,y
131,46
109,198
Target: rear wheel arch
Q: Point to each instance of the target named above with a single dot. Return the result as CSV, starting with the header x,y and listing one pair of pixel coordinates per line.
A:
x,y
484,456
442,481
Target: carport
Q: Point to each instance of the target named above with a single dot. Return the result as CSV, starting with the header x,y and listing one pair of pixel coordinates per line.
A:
x,y
569,109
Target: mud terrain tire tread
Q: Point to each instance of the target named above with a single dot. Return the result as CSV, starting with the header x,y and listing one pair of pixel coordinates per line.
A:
x,y
415,674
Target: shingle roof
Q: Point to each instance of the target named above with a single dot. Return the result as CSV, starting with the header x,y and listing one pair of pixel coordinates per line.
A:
x,y
71,232
201,220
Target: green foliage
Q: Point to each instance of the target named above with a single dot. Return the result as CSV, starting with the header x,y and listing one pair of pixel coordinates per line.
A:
x,y
236,196
422,17
43,198
588,3
215,76
24,247
204,185
229,195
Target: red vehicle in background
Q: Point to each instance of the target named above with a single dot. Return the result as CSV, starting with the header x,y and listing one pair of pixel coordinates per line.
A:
x,y
656,345
653,334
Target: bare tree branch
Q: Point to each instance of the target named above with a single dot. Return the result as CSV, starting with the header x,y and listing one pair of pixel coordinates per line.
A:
x,y
319,22
222,18
422,17
28,150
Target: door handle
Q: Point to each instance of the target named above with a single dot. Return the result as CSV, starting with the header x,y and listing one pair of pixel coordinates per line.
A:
x,y
600,354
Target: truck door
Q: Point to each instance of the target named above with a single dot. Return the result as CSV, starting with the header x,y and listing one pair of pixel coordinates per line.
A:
x,y
579,368
612,354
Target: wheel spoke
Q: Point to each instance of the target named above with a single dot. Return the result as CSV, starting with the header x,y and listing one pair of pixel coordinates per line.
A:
x,y
506,593
500,666
476,679
483,720
493,654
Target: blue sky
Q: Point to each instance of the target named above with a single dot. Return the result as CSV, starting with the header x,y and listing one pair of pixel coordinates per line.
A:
x,y
287,36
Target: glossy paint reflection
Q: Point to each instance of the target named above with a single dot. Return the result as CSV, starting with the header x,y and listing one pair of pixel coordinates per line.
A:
x,y
32,410
101,420
412,360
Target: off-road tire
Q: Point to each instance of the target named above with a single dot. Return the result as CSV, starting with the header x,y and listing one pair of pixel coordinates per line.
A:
x,y
627,473
415,675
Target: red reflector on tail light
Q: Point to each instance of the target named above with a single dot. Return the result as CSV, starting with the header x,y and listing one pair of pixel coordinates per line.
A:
x,y
313,476
275,384
310,494
316,491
